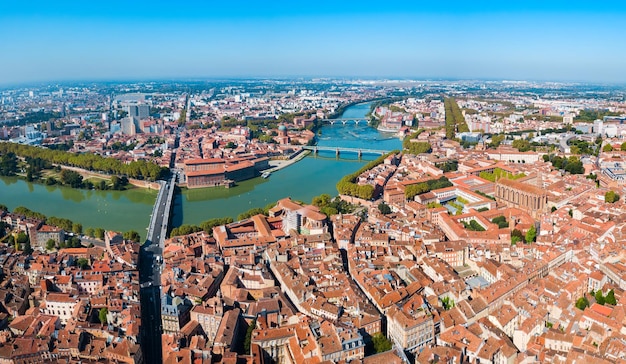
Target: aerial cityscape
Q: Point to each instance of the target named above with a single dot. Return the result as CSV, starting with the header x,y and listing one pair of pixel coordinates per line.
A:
x,y
312,183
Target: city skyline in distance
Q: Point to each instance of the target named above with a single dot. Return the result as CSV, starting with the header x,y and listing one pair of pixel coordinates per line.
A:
x,y
560,41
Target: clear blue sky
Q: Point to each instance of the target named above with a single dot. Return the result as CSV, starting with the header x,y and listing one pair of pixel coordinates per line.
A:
x,y
95,40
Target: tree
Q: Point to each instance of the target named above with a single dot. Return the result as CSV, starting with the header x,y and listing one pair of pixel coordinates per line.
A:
x,y
531,234
23,242
623,147
50,244
250,213
384,208
381,343
611,197
321,200
132,236
22,238
582,303
610,298
136,169
500,221
521,145
599,297
102,315
8,164
71,178
496,140
77,228
83,263
90,232
248,339
73,242
99,233
447,302
607,148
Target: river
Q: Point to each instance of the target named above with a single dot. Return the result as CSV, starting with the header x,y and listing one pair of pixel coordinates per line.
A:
x,y
126,210
111,210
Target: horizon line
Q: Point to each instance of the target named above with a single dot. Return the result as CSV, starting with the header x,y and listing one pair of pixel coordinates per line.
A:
x,y
122,80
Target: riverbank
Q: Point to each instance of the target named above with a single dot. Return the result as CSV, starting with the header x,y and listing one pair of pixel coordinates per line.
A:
x,y
135,182
108,209
278,164
308,176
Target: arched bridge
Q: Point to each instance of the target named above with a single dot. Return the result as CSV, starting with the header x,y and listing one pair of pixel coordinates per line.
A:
x,y
339,150
345,121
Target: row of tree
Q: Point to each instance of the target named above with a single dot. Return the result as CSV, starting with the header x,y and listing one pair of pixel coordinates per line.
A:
x,y
347,185
609,148
417,189
206,226
455,121
610,299
473,225
448,166
411,147
332,206
530,236
68,225
92,162
572,164
500,173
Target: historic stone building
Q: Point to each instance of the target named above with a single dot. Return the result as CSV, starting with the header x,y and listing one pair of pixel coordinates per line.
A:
x,y
526,197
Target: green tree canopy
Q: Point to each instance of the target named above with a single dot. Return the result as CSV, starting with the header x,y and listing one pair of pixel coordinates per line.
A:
x,y
50,244
610,298
102,315
83,263
500,221
248,338
132,235
582,303
250,213
91,162
384,208
8,163
522,145
77,228
531,234
611,197
99,233
381,343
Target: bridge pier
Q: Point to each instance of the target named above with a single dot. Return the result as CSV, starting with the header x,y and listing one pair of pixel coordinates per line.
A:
x,y
316,151
337,152
344,122
359,153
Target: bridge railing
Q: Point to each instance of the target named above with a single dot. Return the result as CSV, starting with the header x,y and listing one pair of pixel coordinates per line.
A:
x,y
346,149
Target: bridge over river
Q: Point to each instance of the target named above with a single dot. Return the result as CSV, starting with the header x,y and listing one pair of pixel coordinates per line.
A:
x,y
338,150
150,261
345,121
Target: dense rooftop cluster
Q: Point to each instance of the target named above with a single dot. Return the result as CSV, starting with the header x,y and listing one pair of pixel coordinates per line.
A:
x,y
485,249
